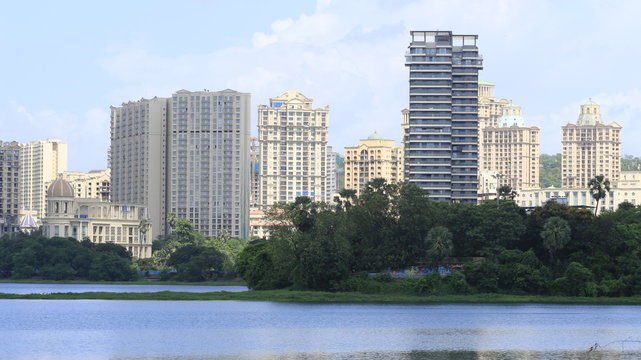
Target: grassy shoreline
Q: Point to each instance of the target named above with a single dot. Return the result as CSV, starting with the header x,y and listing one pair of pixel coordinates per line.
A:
x,y
134,282
325,297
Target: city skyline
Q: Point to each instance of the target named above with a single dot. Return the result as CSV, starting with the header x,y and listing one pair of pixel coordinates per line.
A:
x,y
68,66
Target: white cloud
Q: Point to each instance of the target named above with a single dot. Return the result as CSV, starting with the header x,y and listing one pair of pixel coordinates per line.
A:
x,y
624,108
86,134
349,54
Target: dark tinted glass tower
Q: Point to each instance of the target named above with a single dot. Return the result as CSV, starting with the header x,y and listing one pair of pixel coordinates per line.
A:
x,y
441,151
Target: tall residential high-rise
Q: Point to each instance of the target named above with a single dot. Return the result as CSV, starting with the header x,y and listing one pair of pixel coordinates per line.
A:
x,y
374,157
330,170
40,163
510,153
9,186
293,153
441,148
254,166
590,148
138,157
208,160
340,172
188,154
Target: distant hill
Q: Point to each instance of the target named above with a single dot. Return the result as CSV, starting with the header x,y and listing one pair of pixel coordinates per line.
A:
x,y
550,172
630,163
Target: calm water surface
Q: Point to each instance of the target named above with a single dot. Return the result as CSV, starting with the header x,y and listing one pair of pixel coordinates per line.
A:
x,y
11,288
178,330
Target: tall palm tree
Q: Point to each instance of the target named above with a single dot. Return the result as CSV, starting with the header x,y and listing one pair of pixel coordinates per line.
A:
x,y
556,234
144,227
599,187
440,243
506,192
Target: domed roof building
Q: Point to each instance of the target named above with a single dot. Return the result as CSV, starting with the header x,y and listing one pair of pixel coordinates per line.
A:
x,y
590,114
508,150
375,136
590,148
91,218
511,116
60,188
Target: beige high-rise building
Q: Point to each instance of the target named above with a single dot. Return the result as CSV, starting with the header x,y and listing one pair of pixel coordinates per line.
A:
x,y
330,170
40,163
188,155
510,153
490,110
374,157
405,127
9,190
293,154
94,184
137,157
254,166
590,148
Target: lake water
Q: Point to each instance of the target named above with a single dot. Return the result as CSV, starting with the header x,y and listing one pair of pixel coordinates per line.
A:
x,y
181,330
13,288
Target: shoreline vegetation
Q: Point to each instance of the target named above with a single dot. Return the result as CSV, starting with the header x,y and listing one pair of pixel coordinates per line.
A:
x,y
333,297
141,281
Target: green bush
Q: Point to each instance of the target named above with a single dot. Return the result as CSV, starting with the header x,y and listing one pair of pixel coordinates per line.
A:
x,y
456,284
108,266
576,281
359,284
429,284
610,287
254,265
22,272
384,278
59,271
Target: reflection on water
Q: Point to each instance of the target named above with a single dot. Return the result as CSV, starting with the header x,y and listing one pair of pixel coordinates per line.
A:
x,y
185,330
29,288
423,355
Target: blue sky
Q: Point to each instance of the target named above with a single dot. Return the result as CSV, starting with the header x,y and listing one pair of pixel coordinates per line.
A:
x,y
65,62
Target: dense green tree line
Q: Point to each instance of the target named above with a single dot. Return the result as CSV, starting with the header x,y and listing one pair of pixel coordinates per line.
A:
x,y
25,256
556,249
191,255
184,255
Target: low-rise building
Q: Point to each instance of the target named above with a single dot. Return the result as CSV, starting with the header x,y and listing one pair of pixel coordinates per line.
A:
x,y
627,189
96,220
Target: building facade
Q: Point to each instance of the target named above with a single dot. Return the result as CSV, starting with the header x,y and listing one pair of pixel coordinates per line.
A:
x,y
330,169
490,109
9,187
441,148
96,220
293,149
208,160
254,165
94,184
510,152
137,157
188,155
627,189
374,157
40,163
590,148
